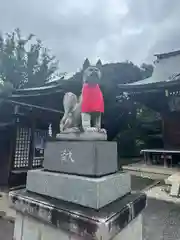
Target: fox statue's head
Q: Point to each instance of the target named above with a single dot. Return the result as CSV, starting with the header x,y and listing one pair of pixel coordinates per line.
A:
x,y
92,75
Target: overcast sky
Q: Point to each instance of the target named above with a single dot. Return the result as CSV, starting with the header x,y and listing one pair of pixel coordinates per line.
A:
x,y
113,30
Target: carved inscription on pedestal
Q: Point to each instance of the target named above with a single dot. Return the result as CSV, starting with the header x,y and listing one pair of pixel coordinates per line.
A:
x,y
66,156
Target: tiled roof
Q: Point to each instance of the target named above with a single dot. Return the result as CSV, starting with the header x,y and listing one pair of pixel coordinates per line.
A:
x,y
150,84
168,54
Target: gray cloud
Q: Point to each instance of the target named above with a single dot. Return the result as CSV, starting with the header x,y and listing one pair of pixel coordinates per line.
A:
x,y
114,30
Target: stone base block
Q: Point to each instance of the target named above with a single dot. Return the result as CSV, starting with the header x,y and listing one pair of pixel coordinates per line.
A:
x,y
27,227
88,192
40,217
81,158
82,136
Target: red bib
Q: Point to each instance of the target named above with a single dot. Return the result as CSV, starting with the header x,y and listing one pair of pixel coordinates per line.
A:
x,y
92,98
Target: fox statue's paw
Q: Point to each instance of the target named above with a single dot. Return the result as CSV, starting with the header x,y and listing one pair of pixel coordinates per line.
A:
x,y
95,130
71,130
91,129
102,130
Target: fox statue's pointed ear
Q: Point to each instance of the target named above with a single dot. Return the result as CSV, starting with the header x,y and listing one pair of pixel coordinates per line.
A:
x,y
86,64
99,64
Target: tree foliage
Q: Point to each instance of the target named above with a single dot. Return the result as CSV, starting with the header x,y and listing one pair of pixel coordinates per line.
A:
x,y
146,70
24,62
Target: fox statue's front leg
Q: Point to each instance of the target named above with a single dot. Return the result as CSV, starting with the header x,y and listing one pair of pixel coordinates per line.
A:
x,y
91,122
97,120
97,123
86,123
86,120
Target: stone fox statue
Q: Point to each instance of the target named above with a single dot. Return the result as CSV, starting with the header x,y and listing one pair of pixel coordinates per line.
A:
x,y
84,113
92,102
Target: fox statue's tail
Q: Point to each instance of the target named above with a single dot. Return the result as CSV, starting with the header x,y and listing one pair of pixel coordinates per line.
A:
x,y
70,102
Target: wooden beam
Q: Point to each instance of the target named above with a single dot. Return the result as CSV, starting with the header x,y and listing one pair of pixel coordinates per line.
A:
x,y
34,106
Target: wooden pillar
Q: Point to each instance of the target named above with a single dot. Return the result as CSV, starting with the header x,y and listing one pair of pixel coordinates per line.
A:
x,y
12,148
163,130
31,150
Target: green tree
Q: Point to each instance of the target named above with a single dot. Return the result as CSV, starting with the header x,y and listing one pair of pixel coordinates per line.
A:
x,y
24,62
6,88
146,70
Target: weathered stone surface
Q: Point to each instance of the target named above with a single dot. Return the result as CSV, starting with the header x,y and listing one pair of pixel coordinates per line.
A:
x,y
33,229
86,191
83,158
118,220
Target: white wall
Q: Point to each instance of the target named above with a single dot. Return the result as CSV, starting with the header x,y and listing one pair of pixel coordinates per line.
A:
x,y
165,68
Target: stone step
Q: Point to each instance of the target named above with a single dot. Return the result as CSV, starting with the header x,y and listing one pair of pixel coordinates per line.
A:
x,y
39,217
86,191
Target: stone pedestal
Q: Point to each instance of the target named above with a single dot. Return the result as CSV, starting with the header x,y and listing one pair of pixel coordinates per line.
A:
x,y
78,195
86,191
81,136
41,218
89,158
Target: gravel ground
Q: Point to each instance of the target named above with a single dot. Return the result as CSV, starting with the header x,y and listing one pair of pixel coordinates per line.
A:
x,y
161,220
6,230
139,183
